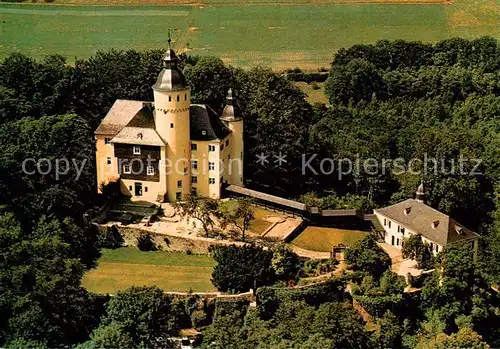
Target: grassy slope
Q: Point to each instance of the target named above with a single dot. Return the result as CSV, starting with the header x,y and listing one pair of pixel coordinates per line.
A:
x,y
278,36
322,239
125,267
313,96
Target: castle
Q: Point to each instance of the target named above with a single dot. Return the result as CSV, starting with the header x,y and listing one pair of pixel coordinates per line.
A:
x,y
162,150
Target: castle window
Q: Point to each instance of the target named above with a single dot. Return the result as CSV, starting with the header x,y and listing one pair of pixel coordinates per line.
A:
x,y
389,224
171,125
211,180
170,98
107,140
194,146
178,196
150,170
194,164
185,97
130,187
227,142
108,161
146,189
185,171
211,166
385,222
222,146
178,98
137,150
211,148
194,180
126,169
179,184
228,157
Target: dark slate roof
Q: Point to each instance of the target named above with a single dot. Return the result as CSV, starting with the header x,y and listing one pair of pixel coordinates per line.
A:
x,y
232,109
425,220
205,125
171,77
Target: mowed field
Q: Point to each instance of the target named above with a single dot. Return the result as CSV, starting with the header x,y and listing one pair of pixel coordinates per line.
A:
x,y
299,33
127,266
322,239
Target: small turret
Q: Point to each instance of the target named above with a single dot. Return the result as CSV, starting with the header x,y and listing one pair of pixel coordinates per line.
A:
x,y
232,111
420,194
233,117
171,77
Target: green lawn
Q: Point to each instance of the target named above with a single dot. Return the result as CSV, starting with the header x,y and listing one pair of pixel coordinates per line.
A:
x,y
313,96
322,239
278,36
171,271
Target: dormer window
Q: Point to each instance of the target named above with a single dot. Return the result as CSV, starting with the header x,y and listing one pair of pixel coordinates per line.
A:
x,y
435,224
407,210
459,230
107,140
137,150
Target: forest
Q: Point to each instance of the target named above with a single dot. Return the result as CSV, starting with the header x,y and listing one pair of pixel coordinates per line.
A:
x,y
388,100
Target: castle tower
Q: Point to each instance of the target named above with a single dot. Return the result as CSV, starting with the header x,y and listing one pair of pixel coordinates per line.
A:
x,y
172,102
233,117
420,194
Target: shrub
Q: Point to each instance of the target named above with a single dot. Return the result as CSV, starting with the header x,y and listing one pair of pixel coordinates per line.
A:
x,y
225,307
378,305
199,318
146,243
240,269
110,238
269,298
368,257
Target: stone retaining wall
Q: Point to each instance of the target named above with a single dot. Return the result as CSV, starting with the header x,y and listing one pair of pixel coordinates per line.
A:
x,y
171,243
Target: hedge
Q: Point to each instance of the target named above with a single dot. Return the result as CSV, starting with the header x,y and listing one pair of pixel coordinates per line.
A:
x,y
229,307
378,305
269,298
307,77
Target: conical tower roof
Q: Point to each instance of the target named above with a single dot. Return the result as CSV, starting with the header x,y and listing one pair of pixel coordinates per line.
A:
x,y
420,194
170,77
232,111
